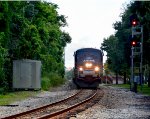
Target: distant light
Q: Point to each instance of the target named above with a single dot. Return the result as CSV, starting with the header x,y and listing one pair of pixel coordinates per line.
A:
x,y
80,69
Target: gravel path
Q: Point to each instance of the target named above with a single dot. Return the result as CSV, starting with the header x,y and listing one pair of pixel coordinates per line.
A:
x,y
119,103
116,103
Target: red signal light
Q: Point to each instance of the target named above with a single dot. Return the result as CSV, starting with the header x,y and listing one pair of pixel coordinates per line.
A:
x,y
134,22
133,43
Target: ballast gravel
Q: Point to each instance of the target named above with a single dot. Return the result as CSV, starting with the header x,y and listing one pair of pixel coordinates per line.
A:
x,y
117,103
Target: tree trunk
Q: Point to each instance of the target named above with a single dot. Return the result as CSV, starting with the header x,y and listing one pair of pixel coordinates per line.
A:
x,y
124,77
116,77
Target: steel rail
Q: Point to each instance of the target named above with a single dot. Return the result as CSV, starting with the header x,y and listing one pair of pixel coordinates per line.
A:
x,y
68,109
40,108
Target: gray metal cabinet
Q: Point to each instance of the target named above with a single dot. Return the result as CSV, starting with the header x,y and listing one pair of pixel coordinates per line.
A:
x,y
27,74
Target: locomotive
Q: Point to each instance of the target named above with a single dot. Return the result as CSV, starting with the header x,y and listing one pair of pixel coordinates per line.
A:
x,y
88,67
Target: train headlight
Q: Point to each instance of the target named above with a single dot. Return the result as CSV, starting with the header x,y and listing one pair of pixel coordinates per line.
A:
x,y
88,65
96,68
80,69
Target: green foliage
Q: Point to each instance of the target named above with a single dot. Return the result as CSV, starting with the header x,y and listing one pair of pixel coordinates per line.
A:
x,y
106,69
3,54
2,91
46,84
2,62
48,63
118,46
55,79
31,30
30,45
65,38
114,53
145,89
51,80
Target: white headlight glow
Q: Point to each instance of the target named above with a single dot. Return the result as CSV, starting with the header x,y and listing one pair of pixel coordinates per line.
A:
x,y
96,68
80,69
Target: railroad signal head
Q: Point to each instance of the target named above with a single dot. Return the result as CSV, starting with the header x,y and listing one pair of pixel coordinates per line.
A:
x,y
133,43
134,21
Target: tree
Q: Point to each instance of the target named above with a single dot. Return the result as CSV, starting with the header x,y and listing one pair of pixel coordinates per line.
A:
x,y
32,30
141,9
123,32
112,47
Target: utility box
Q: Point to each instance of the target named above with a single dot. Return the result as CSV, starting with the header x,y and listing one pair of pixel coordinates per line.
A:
x,y
26,74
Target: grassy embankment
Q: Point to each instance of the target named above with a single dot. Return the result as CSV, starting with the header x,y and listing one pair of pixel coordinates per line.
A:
x,y
48,81
144,89
10,97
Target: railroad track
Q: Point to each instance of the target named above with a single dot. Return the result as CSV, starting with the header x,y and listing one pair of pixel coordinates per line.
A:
x,y
62,109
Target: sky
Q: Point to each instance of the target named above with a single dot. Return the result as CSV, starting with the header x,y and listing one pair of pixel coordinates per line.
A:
x,y
89,22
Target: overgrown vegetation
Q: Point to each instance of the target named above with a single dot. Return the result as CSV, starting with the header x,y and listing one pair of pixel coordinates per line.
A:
x,y
51,80
32,30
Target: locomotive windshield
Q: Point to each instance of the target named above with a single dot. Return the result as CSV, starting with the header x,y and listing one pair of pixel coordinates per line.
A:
x,y
91,55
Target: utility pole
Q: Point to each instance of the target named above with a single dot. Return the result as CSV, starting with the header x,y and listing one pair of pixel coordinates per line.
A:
x,y
141,63
132,72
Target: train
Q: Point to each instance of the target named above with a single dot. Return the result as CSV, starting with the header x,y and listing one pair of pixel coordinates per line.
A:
x,y
88,67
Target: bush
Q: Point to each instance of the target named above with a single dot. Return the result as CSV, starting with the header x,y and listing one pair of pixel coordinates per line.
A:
x,y
45,83
2,91
51,80
3,54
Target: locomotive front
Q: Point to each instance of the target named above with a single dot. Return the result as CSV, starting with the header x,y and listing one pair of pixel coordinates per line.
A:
x,y
88,67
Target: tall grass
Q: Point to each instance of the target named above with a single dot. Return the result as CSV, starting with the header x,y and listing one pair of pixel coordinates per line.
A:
x,y
51,80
